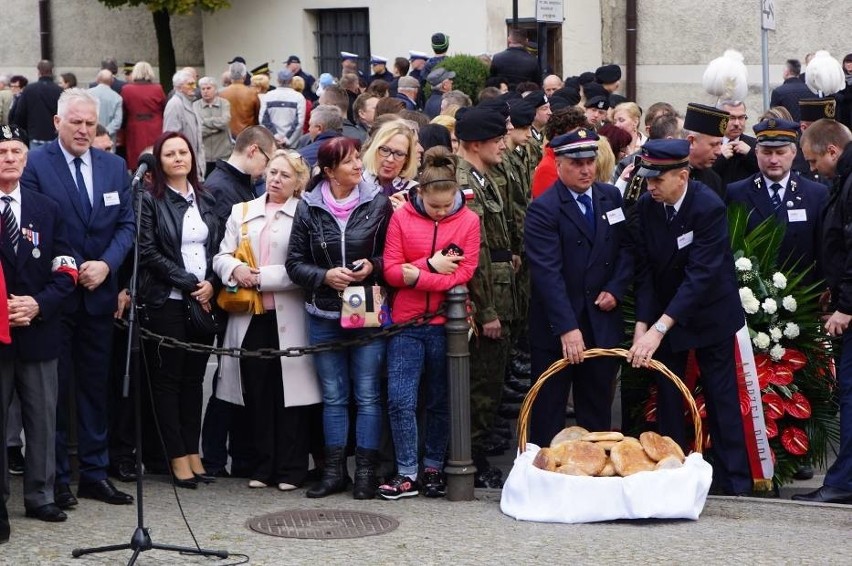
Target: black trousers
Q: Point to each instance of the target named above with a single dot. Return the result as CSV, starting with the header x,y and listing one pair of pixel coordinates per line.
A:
x,y
281,434
176,378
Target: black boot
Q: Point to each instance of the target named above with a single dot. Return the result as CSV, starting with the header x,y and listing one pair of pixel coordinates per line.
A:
x,y
334,478
4,522
365,474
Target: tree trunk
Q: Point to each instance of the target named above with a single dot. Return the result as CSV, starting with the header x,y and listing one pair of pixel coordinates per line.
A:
x,y
165,48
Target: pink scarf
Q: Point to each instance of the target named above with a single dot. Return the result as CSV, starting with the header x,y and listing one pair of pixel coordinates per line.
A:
x,y
341,209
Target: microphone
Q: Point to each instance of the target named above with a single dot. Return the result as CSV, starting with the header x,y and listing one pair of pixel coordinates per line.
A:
x,y
146,163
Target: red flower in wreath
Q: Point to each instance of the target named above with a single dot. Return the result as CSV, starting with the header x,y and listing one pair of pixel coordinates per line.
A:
x,y
795,359
781,374
798,406
771,428
773,406
795,441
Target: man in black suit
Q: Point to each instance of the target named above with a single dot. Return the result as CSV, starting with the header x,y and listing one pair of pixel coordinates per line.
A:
x,y
703,128
40,273
792,90
576,241
778,191
687,298
737,160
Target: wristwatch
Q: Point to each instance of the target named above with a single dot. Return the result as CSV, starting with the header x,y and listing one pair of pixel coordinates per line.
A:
x,y
661,327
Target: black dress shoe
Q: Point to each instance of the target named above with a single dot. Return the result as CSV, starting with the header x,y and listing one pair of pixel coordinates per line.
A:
x,y
825,494
103,490
205,478
804,472
124,471
15,460
49,513
189,483
62,496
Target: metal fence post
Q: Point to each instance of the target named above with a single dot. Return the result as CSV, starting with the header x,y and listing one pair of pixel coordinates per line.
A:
x,y
459,467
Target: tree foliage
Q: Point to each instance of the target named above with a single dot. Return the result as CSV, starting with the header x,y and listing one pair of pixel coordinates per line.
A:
x,y
175,7
470,71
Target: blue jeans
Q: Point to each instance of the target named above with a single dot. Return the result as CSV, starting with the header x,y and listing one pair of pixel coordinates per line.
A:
x,y
839,475
339,371
410,350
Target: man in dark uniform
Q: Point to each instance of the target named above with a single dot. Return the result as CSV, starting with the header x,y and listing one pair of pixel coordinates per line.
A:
x,y
596,108
609,77
481,132
792,90
811,110
687,298
417,59
581,265
40,273
515,63
379,66
737,160
703,128
827,145
294,64
779,192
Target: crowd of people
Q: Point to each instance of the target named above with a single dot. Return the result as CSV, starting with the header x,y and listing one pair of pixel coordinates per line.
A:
x,y
552,200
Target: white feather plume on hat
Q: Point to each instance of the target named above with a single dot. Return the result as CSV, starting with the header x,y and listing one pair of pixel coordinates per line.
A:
x,y
726,77
824,74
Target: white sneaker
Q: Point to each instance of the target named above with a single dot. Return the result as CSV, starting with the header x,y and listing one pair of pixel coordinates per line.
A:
x,y
256,484
287,486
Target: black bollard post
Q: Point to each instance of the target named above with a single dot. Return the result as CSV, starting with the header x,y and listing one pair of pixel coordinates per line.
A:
x,y
459,467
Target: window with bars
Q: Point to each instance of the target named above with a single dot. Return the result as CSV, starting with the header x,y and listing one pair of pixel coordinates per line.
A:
x,y
342,30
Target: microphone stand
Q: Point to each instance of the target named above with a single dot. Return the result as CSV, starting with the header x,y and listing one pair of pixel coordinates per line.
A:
x,y
141,539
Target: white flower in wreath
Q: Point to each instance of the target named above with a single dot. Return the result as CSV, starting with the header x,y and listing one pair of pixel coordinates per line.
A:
x,y
791,330
777,352
751,306
743,264
761,340
779,281
770,306
776,334
789,303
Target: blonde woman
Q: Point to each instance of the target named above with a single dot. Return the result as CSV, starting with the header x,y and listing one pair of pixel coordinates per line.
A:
x,y
390,161
448,122
278,392
626,116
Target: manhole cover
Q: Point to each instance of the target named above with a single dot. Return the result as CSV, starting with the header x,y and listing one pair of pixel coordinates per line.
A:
x,y
322,524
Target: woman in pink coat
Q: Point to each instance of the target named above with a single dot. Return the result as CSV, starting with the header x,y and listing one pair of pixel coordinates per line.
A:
x,y
425,249
143,103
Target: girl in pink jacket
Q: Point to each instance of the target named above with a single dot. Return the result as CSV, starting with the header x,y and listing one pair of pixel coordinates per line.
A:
x,y
432,245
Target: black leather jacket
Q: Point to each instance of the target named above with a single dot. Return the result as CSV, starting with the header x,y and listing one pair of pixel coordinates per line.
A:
x,y
837,234
161,265
317,244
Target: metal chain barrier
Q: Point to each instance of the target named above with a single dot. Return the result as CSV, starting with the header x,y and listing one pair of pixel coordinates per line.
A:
x,y
291,352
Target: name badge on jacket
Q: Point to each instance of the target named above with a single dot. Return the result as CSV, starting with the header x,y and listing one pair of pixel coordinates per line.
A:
x,y
797,215
111,199
615,216
684,240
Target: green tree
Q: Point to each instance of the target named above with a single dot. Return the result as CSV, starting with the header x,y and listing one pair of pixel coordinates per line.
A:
x,y
470,71
162,11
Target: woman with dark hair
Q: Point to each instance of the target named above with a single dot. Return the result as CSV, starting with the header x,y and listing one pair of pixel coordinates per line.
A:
x,y
178,238
424,258
560,122
337,240
618,138
67,80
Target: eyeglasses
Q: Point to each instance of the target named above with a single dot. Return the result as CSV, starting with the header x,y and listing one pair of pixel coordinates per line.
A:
x,y
260,149
385,151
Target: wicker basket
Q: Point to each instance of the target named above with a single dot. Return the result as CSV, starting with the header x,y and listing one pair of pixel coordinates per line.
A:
x,y
556,367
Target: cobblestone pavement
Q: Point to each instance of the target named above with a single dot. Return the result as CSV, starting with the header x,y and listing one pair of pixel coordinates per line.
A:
x,y
730,531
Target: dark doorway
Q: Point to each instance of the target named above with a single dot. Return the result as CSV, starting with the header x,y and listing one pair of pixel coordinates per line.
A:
x,y
342,30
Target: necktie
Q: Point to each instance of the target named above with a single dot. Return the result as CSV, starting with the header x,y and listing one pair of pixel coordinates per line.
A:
x,y
776,199
670,213
586,201
10,225
81,187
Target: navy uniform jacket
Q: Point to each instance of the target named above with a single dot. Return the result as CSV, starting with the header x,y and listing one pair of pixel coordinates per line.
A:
x,y
789,94
107,235
48,278
696,285
804,202
570,266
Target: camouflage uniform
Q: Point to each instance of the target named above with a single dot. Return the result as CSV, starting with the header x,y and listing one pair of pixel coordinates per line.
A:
x,y
492,292
519,198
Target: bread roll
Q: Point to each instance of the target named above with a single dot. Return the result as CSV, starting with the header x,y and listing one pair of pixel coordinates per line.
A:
x,y
669,463
608,469
570,433
607,444
571,470
587,456
629,458
599,436
659,447
545,460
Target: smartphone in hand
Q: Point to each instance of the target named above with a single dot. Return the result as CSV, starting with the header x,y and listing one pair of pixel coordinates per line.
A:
x,y
452,250
355,266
